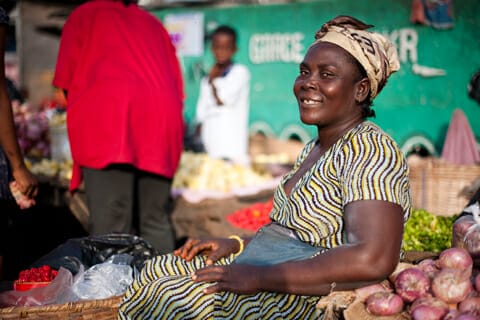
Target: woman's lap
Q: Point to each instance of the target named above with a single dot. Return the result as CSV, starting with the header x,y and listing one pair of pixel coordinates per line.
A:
x,y
164,290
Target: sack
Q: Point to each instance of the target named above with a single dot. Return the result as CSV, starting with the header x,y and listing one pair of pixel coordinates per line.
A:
x,y
275,244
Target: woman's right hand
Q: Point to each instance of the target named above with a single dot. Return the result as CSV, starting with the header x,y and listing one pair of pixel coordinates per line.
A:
x,y
214,249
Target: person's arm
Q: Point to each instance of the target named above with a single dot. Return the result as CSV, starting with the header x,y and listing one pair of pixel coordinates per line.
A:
x,y
231,87
201,111
26,181
373,232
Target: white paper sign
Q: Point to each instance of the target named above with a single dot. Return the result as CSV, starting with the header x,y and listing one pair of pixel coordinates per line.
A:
x,y
187,32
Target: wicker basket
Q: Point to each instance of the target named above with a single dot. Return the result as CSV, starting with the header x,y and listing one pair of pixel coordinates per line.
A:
x,y
437,186
104,309
208,218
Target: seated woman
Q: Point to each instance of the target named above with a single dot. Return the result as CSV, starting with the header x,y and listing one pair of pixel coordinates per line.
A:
x,y
338,216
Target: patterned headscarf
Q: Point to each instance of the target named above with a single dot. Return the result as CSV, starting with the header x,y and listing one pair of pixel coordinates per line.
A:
x,y
376,54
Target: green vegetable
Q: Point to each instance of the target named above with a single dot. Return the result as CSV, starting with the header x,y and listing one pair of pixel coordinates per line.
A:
x,y
427,232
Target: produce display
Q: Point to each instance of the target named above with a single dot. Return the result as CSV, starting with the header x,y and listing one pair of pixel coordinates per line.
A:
x,y
466,232
31,127
442,288
264,158
253,217
52,168
198,171
34,278
427,232
40,274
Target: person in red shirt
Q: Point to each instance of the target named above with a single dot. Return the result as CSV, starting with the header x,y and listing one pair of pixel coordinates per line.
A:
x,y
124,88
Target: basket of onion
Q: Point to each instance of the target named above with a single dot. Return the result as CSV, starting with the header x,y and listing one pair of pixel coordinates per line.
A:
x,y
442,288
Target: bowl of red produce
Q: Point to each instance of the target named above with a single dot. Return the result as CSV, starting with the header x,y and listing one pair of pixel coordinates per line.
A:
x,y
34,278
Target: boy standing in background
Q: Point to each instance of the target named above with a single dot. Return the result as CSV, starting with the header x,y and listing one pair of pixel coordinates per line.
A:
x,y
224,101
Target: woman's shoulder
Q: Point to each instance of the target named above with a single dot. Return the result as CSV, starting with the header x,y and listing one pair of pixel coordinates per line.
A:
x,y
369,133
371,130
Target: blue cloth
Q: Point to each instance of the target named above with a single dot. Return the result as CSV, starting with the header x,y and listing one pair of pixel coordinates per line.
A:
x,y
274,244
439,14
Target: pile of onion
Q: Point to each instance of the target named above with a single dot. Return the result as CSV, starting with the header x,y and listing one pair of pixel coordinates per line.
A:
x,y
434,289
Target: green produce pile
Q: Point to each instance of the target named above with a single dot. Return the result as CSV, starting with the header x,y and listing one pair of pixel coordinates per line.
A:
x,y
427,232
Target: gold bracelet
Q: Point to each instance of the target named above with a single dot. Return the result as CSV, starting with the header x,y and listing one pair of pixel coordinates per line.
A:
x,y
240,242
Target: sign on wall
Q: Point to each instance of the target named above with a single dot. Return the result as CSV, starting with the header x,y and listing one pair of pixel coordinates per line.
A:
x,y
186,32
419,100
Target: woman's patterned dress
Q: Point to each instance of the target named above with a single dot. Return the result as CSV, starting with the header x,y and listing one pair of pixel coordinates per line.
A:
x,y
364,164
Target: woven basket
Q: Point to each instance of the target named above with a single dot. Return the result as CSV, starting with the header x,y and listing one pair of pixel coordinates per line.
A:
x,y
104,309
437,186
208,218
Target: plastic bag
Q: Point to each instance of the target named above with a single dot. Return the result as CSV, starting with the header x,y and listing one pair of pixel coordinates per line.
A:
x,y
103,247
92,250
55,292
104,280
472,237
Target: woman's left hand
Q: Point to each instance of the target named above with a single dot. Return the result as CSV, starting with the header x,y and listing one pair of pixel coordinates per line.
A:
x,y
241,279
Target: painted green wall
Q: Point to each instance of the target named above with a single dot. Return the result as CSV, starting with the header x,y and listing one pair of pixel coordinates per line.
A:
x,y
409,105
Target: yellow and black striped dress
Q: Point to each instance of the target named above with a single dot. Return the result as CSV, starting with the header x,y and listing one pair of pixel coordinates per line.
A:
x,y
364,164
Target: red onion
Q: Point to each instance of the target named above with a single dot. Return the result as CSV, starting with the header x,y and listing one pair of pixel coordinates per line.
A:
x,y
455,258
384,303
428,308
452,285
467,316
412,284
34,130
472,242
363,293
451,315
429,266
470,305
400,267
476,282
460,229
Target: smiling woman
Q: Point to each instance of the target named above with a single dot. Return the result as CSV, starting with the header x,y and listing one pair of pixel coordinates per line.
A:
x,y
337,216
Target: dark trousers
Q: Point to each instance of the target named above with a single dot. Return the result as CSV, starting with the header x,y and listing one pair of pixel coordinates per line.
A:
x,y
123,199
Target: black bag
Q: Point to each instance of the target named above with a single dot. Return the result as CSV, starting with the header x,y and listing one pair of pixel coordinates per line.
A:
x,y
92,250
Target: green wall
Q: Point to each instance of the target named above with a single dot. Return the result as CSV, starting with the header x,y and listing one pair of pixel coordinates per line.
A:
x,y
410,105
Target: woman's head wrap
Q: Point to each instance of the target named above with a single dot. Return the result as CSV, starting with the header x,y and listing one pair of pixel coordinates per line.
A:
x,y
376,54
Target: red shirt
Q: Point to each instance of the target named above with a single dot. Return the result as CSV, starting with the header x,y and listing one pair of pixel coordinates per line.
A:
x,y
125,89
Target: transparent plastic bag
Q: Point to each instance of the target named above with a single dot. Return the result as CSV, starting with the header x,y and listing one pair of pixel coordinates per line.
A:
x,y
472,236
104,280
55,292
